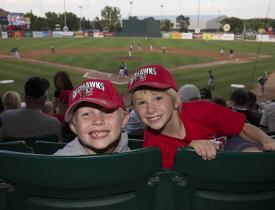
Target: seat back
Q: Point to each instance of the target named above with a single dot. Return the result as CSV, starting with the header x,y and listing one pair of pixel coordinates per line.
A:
x,y
47,147
135,143
30,141
234,180
117,181
17,146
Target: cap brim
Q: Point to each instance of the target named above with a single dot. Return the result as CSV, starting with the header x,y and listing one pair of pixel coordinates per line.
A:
x,y
129,93
102,103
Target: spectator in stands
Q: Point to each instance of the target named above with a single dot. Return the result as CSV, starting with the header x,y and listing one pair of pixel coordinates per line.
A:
x,y
219,100
189,92
267,122
239,103
206,94
30,121
135,127
252,103
62,81
48,108
235,143
96,114
171,124
2,108
11,100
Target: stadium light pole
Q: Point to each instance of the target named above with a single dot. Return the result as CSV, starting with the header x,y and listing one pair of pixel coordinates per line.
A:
x,y
80,7
198,21
161,12
65,18
131,8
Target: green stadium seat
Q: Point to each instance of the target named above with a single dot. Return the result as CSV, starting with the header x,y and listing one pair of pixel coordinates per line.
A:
x,y
16,146
234,180
118,181
30,141
47,147
135,143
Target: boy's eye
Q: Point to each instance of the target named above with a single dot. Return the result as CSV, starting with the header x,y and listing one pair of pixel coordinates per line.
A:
x,y
86,114
158,98
139,103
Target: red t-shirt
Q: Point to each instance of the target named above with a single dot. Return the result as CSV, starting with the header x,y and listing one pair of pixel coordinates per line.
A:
x,y
202,120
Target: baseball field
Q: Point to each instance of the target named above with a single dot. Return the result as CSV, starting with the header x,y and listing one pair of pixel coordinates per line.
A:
x,y
189,60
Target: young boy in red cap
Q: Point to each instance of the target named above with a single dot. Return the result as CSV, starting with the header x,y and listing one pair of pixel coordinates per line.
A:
x,y
152,91
96,114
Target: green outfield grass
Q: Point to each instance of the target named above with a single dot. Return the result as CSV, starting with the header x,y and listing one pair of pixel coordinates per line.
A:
x,y
245,73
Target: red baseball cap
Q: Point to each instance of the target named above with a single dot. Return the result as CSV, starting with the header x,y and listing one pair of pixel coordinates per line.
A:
x,y
155,76
96,91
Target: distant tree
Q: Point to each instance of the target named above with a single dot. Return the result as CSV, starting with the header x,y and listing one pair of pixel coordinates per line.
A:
x,y
96,24
133,18
71,19
256,23
52,19
183,22
166,25
236,24
86,24
110,18
37,23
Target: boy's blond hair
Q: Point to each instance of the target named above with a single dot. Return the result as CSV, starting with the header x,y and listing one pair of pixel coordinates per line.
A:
x,y
11,100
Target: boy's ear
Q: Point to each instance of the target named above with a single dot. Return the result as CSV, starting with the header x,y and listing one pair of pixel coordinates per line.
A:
x,y
72,127
125,118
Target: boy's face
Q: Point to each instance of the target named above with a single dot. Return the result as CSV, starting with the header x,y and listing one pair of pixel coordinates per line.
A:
x,y
98,129
155,108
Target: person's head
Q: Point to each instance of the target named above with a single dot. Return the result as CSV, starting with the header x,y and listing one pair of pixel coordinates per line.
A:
x,y
62,81
96,114
252,101
205,94
48,108
152,90
219,100
36,92
11,100
189,92
239,97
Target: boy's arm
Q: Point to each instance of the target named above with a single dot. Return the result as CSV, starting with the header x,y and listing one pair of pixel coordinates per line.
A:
x,y
256,135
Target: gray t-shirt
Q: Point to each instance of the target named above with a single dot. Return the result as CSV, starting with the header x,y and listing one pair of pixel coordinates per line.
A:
x,y
25,122
75,148
268,117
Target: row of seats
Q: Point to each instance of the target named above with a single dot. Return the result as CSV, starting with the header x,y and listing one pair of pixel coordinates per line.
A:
x,y
47,147
135,181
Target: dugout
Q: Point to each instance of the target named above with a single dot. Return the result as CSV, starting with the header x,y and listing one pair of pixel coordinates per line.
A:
x,y
133,27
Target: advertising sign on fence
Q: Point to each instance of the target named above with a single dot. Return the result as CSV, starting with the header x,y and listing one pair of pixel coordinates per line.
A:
x,y
37,34
4,35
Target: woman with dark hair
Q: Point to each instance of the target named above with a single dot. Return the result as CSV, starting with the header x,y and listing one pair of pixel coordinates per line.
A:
x,y
62,82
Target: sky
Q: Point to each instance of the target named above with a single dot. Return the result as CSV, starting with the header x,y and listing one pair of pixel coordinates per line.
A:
x,y
244,9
